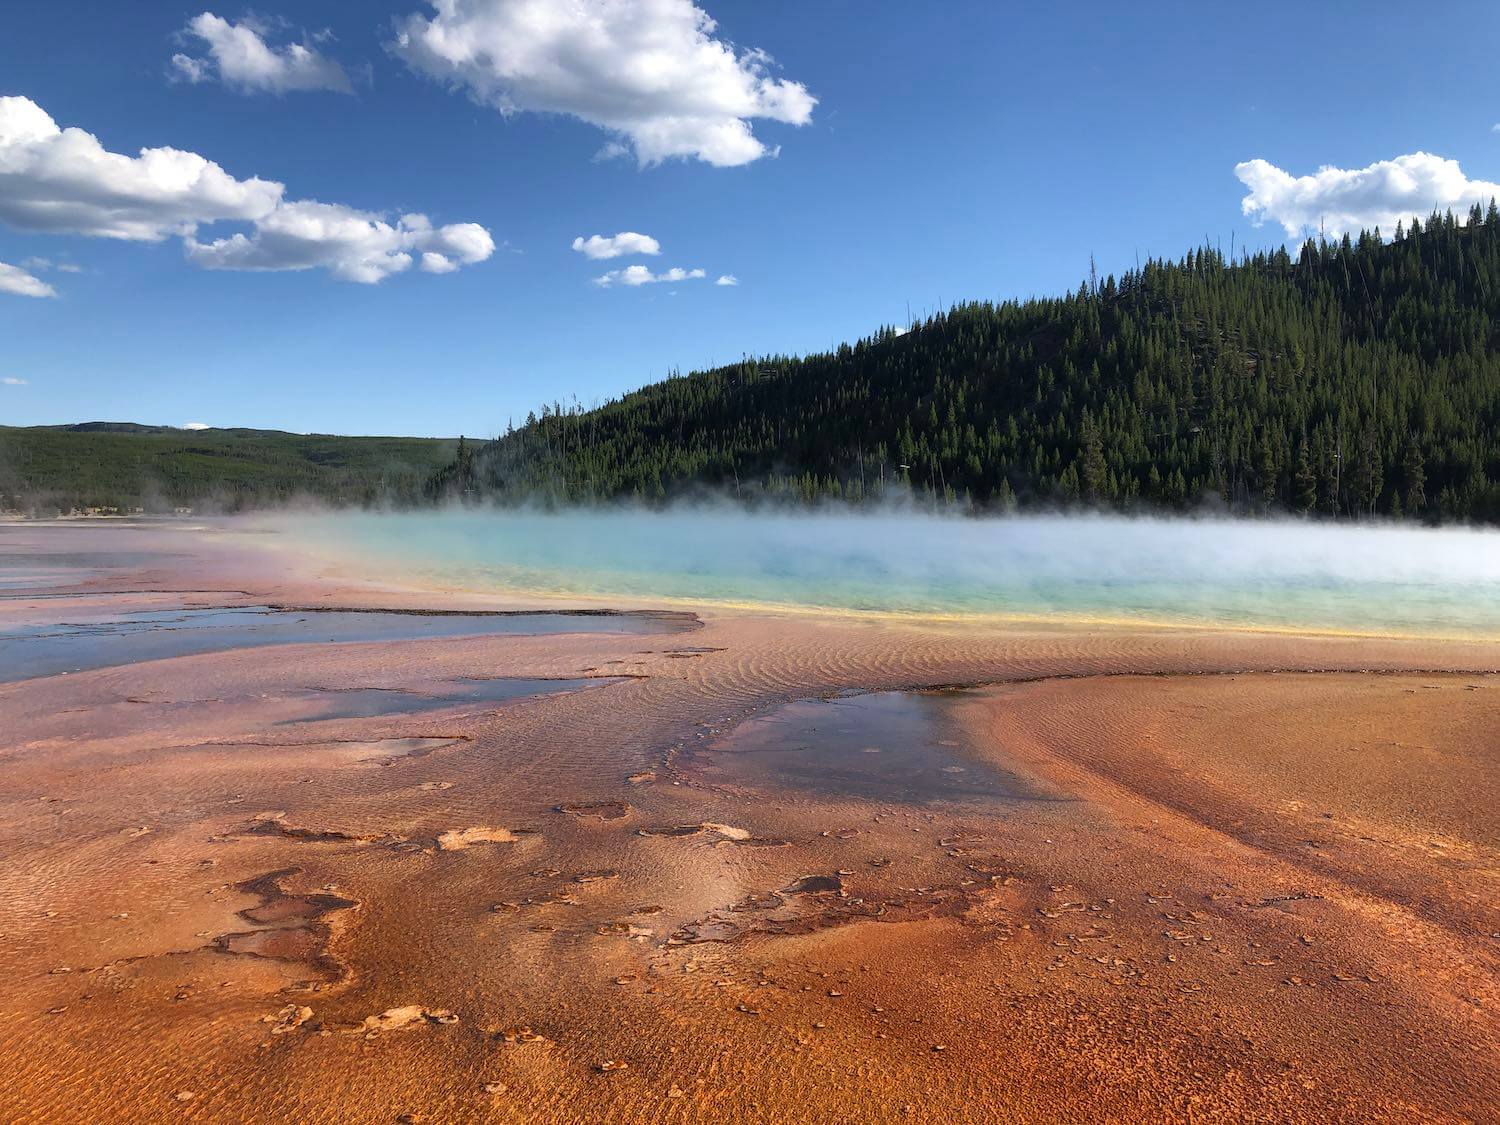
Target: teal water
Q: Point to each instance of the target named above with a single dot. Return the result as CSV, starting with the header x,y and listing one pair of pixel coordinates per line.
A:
x,y
1240,573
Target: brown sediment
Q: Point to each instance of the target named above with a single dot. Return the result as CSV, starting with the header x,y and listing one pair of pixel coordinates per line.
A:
x,y
600,810
274,824
458,839
716,833
1118,876
287,926
288,1019
405,1018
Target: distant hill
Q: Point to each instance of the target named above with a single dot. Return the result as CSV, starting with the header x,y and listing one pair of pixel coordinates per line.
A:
x,y
125,465
1359,377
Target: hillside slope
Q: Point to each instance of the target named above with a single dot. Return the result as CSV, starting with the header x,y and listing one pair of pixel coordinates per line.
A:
x,y
1358,377
122,464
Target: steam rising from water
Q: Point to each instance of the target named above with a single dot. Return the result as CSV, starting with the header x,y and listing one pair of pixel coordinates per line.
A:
x,y
1243,573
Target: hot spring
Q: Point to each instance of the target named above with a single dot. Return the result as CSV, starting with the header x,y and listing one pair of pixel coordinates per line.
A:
x,y
1259,574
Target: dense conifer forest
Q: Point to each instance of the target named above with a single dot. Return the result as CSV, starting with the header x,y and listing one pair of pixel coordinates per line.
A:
x,y
51,470
1357,378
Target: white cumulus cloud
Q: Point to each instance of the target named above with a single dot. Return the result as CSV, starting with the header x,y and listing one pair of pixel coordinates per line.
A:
x,y
240,57
13,279
12,381
650,72
727,279
599,246
63,181
640,275
354,245
1342,201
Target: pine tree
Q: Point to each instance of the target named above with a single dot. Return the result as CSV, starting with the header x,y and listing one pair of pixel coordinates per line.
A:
x,y
1093,469
1416,479
1304,480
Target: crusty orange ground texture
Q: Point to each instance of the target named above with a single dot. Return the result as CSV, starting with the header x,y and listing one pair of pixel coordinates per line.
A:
x,y
1070,875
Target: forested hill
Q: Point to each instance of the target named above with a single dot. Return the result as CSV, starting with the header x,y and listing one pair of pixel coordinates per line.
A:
x,y
45,470
1358,377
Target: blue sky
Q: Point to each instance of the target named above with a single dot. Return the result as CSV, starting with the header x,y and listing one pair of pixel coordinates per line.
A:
x,y
953,151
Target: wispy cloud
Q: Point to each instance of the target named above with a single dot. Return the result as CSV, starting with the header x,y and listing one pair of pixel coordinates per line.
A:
x,y
11,381
42,265
240,58
599,246
640,275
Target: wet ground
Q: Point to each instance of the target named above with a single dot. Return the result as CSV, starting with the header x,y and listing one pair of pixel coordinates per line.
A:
x,y
24,567
109,640
364,703
884,747
72,562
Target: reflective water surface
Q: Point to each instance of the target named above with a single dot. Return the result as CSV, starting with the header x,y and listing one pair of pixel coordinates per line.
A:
x,y
129,638
893,747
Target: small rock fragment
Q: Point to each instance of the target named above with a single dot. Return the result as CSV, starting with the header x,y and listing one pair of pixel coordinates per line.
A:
x,y
457,839
288,1019
406,1017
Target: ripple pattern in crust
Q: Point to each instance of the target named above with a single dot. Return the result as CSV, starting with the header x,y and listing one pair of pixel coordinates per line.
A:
x,y
1250,877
